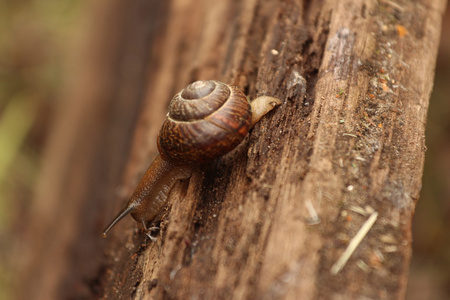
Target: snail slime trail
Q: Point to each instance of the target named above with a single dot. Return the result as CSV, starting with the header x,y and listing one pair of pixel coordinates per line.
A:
x,y
206,120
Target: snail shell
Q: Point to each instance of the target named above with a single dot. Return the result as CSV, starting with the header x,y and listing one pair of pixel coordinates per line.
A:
x,y
205,121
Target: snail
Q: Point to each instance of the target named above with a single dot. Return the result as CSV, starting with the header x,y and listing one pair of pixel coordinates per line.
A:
x,y
205,121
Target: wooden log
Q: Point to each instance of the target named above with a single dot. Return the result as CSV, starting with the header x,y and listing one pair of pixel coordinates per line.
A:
x,y
273,218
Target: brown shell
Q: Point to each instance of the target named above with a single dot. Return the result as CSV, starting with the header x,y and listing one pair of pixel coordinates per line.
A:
x,y
205,121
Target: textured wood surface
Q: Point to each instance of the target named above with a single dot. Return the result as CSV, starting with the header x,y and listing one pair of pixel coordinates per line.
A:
x,y
348,141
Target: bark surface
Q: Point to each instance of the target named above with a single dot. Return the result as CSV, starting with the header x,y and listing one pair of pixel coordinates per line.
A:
x,y
270,219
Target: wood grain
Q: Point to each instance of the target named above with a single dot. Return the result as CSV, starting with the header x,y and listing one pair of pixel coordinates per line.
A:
x,y
355,79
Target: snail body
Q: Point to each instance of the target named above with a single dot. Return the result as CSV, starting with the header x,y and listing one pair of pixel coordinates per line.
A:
x,y
205,121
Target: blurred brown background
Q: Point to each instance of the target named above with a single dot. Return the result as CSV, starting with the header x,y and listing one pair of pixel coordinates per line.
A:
x,y
36,40
430,268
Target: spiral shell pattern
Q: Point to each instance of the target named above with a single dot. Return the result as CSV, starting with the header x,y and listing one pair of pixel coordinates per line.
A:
x,y
205,121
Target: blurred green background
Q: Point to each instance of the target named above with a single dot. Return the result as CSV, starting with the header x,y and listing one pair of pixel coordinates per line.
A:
x,y
35,37
35,41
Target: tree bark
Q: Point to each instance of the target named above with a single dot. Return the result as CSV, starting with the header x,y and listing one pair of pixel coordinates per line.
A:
x,y
271,219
